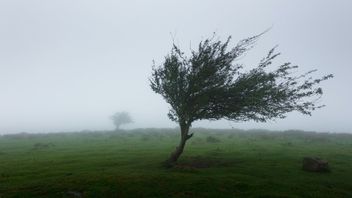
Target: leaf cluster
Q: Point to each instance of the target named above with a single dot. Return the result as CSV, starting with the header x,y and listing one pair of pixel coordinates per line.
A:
x,y
210,84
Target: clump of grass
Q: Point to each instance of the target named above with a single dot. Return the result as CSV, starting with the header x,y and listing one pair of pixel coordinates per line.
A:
x,y
145,138
287,144
196,140
38,146
211,139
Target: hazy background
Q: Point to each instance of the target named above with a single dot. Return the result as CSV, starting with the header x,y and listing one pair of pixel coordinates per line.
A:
x,y
68,65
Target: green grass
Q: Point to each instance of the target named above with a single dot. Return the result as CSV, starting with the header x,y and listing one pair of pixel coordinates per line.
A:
x,y
128,164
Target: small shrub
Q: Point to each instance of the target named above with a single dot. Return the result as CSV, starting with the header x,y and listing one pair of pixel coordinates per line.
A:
x,y
287,144
37,146
145,138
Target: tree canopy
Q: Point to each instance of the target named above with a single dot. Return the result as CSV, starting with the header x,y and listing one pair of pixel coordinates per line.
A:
x,y
210,84
121,118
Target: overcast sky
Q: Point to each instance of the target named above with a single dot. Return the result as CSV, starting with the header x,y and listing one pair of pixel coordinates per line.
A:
x,y
68,65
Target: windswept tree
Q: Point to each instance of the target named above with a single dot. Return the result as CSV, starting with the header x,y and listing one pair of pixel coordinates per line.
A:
x,y
209,84
121,118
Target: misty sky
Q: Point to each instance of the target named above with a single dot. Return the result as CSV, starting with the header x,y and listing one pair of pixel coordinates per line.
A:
x,y
68,65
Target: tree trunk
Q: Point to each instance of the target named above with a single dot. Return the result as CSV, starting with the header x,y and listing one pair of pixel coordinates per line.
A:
x,y
179,149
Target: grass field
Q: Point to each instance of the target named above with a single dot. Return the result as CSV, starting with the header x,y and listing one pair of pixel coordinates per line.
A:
x,y
216,163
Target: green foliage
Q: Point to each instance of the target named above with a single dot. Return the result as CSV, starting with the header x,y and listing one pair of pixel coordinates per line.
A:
x,y
211,85
108,164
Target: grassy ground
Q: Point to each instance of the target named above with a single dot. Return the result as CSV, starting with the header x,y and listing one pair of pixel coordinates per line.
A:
x,y
216,163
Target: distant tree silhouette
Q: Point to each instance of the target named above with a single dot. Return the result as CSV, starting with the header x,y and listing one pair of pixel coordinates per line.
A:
x,y
121,118
210,85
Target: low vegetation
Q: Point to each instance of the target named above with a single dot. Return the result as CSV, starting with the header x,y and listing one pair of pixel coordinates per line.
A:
x,y
219,163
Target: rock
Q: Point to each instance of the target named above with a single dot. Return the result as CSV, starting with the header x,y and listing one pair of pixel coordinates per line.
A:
x,y
315,164
74,194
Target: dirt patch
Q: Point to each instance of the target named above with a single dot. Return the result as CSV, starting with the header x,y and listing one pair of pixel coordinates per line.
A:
x,y
205,162
74,194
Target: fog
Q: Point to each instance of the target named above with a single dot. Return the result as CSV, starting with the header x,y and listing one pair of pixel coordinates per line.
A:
x,y
68,65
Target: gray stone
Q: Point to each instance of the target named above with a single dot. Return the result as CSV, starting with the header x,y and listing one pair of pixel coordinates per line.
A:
x,y
315,164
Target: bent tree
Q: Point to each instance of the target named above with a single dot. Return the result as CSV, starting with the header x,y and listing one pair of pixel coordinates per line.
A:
x,y
210,84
